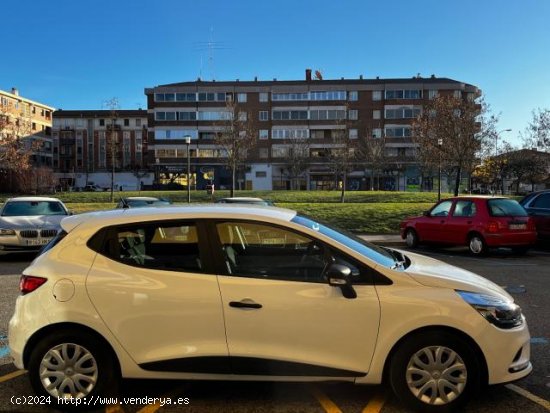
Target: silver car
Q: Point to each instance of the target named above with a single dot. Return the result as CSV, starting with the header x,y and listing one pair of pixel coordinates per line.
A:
x,y
28,223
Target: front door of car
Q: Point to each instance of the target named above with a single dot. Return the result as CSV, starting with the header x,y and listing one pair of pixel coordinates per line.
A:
x,y
432,227
282,318
151,285
460,221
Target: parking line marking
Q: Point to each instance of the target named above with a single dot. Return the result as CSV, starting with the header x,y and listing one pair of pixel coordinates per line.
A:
x,y
12,375
114,408
528,395
376,403
324,401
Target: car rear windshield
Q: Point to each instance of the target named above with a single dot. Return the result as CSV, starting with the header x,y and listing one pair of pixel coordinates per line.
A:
x,y
32,208
505,208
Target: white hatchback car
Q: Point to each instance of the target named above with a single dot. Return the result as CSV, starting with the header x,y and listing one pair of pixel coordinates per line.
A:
x,y
249,293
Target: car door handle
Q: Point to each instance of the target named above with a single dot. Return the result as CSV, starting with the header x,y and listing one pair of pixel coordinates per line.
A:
x,y
244,304
442,222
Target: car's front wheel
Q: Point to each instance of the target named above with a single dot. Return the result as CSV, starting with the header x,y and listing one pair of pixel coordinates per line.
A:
x,y
434,372
72,365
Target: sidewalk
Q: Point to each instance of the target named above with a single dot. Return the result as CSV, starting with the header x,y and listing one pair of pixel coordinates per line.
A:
x,y
387,240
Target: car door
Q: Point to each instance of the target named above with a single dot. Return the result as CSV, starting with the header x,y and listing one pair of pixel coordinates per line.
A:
x,y
461,220
152,285
282,318
431,227
539,209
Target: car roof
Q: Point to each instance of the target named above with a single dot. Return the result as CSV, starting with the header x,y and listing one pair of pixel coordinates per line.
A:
x,y
242,199
33,199
142,198
100,219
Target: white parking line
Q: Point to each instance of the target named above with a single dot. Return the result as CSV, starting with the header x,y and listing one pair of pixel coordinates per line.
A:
x,y
12,375
528,395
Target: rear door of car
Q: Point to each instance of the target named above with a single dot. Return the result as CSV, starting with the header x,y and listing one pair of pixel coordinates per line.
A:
x,y
154,286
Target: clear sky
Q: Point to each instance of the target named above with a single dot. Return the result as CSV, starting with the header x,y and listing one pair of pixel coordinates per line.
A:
x,y
77,54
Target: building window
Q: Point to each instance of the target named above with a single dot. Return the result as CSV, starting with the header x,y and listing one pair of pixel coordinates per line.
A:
x,y
264,115
397,131
138,122
261,174
376,114
377,133
241,97
289,133
126,122
242,116
353,95
101,122
353,114
289,115
263,153
376,95
404,94
264,134
353,134
457,94
327,114
402,113
264,97
187,115
432,94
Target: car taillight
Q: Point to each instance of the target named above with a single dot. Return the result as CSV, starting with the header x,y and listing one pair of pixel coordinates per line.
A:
x,y
29,283
492,226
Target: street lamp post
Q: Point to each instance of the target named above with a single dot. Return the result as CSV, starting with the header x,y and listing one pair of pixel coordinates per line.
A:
x,y
188,143
439,144
496,156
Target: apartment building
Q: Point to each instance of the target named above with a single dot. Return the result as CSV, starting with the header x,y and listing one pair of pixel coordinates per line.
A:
x,y
282,113
29,120
88,145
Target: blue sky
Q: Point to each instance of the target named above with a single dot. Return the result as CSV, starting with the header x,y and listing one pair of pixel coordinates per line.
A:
x,y
77,54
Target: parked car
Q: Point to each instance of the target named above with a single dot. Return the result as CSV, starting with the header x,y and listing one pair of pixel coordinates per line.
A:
x,y
480,222
93,188
537,205
260,294
142,201
28,223
245,200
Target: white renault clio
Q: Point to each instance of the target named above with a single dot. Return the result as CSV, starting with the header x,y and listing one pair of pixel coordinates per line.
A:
x,y
256,293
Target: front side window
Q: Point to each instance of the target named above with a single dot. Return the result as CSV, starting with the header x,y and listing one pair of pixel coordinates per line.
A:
x,y
442,209
263,251
161,246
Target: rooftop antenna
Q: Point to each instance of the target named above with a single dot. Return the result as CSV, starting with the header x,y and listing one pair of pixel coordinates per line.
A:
x,y
209,46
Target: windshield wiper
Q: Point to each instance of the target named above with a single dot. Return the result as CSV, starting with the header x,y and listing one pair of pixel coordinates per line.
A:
x,y
399,258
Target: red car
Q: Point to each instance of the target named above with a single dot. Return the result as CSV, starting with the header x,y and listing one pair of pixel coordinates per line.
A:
x,y
480,222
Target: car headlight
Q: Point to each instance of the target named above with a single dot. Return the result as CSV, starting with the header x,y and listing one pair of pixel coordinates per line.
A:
x,y
499,311
6,231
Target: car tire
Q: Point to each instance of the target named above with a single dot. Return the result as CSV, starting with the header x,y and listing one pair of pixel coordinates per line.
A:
x,y
435,372
477,245
411,238
59,357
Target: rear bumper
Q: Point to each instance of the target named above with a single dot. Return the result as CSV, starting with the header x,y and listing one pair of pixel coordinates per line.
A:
x,y
511,239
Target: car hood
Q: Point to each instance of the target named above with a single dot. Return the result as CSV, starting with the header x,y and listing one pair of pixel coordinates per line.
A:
x,y
38,221
434,273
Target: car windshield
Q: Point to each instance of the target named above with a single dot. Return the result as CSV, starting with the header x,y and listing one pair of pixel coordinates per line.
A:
x,y
32,208
383,256
144,203
505,208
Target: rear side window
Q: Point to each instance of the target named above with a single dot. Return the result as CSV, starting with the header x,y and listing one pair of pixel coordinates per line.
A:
x,y
505,208
464,209
162,246
542,201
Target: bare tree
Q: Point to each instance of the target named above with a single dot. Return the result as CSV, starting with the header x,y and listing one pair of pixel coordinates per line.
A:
x,y
16,145
298,160
454,130
538,131
112,147
342,157
371,152
236,136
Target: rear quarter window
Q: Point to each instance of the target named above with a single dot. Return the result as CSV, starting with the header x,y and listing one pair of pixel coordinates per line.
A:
x,y
505,208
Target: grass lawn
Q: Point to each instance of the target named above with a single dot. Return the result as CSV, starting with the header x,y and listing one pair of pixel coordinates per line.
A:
x,y
363,212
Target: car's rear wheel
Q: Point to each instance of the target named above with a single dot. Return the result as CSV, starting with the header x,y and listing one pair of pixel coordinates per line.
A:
x,y
411,238
73,365
477,245
434,372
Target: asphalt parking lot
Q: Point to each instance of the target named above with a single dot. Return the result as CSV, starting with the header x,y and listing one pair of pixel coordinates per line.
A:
x,y
527,278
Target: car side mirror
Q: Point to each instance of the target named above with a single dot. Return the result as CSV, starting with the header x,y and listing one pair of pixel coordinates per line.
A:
x,y
340,276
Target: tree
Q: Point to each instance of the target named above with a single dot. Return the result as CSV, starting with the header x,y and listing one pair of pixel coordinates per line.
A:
x,y
371,152
236,136
298,160
341,157
463,126
16,146
538,131
112,151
